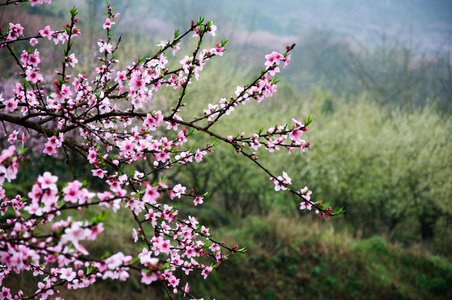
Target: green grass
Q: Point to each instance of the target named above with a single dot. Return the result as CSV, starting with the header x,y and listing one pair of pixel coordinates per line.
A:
x,y
302,258
288,257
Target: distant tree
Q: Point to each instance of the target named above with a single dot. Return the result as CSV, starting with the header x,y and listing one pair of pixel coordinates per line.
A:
x,y
389,168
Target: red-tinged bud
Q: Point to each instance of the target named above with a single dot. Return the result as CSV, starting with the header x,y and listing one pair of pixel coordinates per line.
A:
x,y
319,203
192,22
304,128
236,247
330,209
287,48
192,191
222,243
308,144
75,19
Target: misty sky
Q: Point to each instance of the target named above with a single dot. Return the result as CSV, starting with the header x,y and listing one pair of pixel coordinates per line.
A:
x,y
427,22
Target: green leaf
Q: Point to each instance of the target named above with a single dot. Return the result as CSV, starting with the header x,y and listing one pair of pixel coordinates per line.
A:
x,y
340,211
106,255
22,150
192,131
73,12
99,217
243,250
103,215
200,21
85,183
134,261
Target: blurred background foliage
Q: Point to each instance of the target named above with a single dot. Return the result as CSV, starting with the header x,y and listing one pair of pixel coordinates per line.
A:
x,y
380,97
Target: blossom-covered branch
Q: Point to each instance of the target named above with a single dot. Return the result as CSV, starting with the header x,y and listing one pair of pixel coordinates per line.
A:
x,y
109,120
